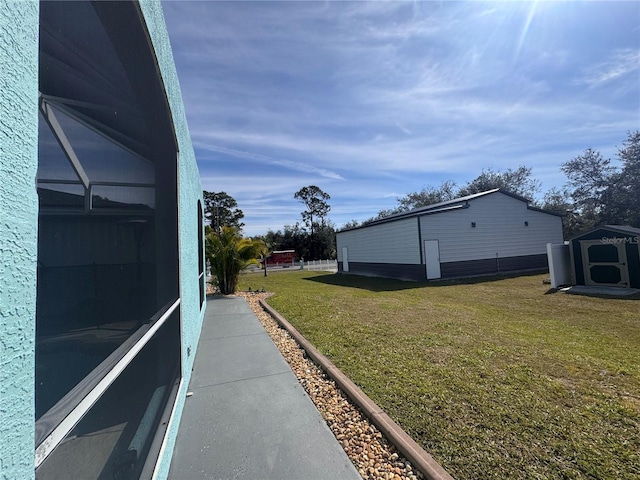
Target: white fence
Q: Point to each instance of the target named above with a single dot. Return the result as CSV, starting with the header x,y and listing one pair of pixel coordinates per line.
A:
x,y
328,265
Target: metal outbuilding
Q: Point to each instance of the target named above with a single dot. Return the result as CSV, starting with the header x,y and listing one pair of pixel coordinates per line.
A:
x,y
485,233
607,256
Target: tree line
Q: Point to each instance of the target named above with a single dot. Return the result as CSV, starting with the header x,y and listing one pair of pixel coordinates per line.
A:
x,y
599,193
314,238
228,252
595,193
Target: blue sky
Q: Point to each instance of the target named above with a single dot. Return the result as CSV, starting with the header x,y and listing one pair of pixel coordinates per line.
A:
x,y
373,100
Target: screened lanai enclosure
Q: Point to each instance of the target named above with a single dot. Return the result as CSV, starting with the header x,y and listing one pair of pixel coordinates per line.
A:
x,y
107,286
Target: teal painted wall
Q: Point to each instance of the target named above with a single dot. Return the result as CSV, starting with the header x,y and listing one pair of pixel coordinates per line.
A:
x,y
190,192
18,233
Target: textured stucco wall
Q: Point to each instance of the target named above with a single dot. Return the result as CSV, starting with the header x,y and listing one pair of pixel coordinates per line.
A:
x,y
189,193
18,233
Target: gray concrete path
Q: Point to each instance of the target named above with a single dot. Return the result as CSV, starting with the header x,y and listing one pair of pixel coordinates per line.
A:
x,y
249,417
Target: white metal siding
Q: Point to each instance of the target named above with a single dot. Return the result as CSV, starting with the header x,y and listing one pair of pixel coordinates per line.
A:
x,y
499,229
394,242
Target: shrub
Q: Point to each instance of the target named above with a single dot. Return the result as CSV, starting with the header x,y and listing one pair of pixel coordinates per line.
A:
x,y
229,253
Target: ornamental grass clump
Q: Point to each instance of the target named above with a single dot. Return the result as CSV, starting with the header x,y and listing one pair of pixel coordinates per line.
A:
x,y
228,254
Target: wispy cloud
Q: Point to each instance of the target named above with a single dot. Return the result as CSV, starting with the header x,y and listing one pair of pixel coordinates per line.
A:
x,y
288,164
372,100
622,63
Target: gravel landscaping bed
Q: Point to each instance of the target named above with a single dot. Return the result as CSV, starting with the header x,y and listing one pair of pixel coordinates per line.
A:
x,y
373,456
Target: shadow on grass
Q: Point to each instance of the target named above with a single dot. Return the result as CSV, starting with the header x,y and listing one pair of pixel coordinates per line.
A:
x,y
374,284
379,284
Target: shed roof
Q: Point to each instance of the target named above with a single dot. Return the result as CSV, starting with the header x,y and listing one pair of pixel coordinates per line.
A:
x,y
450,205
624,229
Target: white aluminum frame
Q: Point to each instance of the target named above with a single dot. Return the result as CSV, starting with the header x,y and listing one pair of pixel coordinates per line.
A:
x,y
71,420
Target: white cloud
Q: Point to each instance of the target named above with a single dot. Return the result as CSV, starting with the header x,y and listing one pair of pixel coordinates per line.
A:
x,y
288,164
622,63
367,99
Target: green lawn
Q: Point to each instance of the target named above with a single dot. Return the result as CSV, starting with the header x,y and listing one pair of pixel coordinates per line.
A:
x,y
494,378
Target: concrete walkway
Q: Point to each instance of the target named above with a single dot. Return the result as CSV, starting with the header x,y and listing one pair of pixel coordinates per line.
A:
x,y
249,417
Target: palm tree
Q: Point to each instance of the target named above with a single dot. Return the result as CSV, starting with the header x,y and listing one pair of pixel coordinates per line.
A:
x,y
229,253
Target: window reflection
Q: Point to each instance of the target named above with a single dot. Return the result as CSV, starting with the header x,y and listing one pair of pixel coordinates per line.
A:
x,y
96,286
102,158
112,441
107,242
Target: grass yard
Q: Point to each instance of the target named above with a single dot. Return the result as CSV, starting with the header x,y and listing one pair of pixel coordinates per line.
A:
x,y
494,378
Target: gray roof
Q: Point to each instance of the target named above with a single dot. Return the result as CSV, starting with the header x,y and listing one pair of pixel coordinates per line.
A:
x,y
449,205
624,229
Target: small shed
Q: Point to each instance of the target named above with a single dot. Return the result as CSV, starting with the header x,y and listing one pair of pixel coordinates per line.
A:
x,y
485,233
608,255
